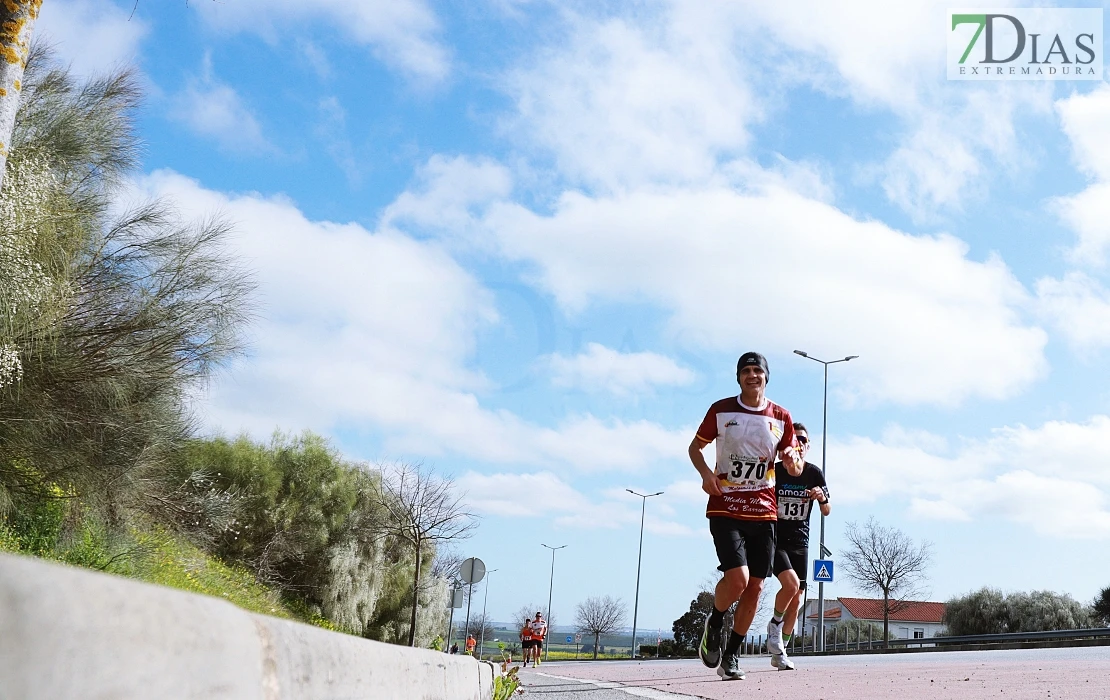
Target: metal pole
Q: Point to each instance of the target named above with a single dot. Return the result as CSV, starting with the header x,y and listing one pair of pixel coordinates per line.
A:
x,y
824,467
824,464
802,616
466,625
450,623
639,559
550,587
485,599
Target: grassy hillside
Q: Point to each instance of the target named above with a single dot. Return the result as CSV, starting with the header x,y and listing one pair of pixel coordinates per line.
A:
x,y
153,556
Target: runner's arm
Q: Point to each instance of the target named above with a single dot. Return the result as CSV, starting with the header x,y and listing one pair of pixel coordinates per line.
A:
x,y
818,494
709,482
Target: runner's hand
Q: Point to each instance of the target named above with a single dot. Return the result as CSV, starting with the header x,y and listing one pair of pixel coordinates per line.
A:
x,y
795,459
816,494
711,485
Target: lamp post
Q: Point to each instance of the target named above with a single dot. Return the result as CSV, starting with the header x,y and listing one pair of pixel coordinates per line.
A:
x,y
639,558
550,587
485,599
824,440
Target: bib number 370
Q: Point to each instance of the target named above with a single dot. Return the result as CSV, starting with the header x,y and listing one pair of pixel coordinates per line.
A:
x,y
748,469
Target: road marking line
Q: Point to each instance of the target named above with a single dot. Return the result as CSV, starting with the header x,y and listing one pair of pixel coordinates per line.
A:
x,y
650,693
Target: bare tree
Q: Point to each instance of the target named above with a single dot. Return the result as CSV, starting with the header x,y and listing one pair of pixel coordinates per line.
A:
x,y
527,612
599,615
425,511
884,560
479,623
447,563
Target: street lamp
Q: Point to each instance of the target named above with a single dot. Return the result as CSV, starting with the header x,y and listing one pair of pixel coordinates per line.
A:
x,y
639,558
485,599
550,586
824,439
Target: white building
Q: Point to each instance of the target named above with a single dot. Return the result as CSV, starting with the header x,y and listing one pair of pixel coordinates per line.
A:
x,y
908,620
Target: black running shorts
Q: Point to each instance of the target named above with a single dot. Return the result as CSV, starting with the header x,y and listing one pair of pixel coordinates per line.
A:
x,y
527,643
537,644
796,559
749,543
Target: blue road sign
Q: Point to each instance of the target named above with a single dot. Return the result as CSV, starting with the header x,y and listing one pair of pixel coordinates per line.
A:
x,y
823,570
570,639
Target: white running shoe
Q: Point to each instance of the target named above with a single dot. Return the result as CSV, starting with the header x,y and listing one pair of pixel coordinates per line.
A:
x,y
774,638
782,662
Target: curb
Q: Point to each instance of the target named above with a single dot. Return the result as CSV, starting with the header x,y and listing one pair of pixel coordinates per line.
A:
x,y
72,633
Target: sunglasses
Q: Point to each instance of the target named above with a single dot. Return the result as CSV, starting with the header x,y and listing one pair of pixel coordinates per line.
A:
x,y
803,439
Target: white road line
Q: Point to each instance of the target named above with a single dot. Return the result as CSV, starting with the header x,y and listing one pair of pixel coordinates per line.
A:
x,y
650,693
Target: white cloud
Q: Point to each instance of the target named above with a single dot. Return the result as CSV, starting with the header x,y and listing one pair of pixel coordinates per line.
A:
x,y
332,131
1051,479
521,495
889,56
668,94
931,325
213,109
623,374
92,36
1085,118
955,145
1088,214
402,33
627,102
1079,308
450,193
316,57
337,346
545,495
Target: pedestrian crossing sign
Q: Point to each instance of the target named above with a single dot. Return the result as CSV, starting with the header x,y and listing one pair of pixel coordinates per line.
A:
x,y
823,570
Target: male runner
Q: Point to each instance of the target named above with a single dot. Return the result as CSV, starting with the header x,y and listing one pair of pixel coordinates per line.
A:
x,y
750,431
539,631
797,489
526,641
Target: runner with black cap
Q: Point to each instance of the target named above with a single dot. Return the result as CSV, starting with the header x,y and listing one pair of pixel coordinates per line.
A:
x,y
750,432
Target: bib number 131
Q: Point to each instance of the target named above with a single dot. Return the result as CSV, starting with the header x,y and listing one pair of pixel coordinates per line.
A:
x,y
793,510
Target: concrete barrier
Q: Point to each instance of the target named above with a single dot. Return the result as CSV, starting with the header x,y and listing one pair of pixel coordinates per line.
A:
x,y
71,633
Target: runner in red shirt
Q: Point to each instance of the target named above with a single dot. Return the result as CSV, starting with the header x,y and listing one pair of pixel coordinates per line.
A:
x,y
526,641
750,431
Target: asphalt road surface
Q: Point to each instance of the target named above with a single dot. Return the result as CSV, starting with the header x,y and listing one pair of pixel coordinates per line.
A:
x,y
1046,674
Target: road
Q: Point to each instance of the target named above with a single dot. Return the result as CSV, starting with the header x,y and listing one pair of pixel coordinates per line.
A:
x,y
1047,674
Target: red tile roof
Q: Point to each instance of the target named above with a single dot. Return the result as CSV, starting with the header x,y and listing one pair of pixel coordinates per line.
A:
x,y
832,613
907,611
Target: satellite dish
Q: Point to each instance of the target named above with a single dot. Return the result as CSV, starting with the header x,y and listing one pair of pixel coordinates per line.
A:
x,y
472,570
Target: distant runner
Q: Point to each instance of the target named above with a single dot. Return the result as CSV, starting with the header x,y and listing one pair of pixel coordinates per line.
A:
x,y
539,631
526,641
750,432
797,490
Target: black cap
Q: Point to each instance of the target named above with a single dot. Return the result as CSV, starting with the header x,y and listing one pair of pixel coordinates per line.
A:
x,y
752,359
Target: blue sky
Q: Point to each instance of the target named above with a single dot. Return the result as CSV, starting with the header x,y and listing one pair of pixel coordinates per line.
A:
x,y
524,243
